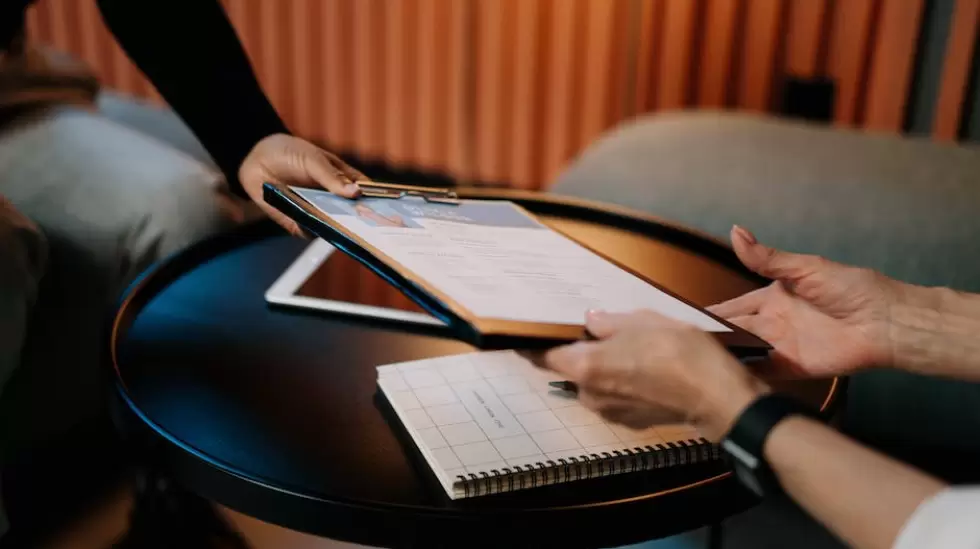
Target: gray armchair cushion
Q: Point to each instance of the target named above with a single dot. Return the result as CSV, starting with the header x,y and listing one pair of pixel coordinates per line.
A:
x,y
907,207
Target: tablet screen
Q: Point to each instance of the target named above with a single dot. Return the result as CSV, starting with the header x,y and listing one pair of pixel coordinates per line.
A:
x,y
340,278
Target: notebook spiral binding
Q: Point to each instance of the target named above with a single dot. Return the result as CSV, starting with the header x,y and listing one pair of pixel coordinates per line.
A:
x,y
640,458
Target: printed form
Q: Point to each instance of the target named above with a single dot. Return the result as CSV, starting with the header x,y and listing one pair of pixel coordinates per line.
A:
x,y
498,262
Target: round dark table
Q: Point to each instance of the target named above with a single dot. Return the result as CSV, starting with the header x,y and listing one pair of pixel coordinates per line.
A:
x,y
274,412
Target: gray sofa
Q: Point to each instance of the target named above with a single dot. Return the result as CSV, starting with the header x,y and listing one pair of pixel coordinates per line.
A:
x,y
907,207
87,200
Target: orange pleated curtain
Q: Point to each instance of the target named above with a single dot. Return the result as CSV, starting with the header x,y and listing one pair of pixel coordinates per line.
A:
x,y
508,91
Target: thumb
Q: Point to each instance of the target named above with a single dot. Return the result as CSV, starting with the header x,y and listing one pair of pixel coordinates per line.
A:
x,y
352,174
602,325
770,262
327,175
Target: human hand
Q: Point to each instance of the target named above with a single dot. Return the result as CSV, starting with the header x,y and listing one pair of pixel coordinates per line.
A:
x,y
822,318
647,369
282,158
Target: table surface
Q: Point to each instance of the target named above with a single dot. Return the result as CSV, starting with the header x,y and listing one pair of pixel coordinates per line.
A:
x,y
275,412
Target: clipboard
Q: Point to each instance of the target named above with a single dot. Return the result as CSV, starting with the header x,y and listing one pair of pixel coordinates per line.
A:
x,y
482,333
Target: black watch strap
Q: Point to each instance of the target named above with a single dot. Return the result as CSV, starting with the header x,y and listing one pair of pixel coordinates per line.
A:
x,y
747,438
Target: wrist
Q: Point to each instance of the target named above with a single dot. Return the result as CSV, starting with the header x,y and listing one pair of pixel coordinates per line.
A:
x,y
900,301
914,325
747,442
719,410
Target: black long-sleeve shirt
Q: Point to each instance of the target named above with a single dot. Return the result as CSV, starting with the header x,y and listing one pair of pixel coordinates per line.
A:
x,y
190,52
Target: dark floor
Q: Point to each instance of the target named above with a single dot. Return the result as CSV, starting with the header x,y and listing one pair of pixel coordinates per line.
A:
x,y
106,525
141,511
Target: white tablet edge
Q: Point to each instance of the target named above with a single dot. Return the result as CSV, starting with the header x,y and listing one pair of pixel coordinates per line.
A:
x,y
283,291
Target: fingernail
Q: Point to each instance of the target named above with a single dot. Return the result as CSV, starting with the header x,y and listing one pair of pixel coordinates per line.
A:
x,y
746,235
595,313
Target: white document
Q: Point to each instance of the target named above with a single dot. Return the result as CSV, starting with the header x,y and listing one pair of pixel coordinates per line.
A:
x,y
498,262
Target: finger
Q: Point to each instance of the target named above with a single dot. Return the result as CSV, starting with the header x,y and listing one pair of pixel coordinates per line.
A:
x,y
610,366
609,408
770,262
768,328
283,221
633,413
644,418
745,304
571,360
777,365
537,358
751,323
604,325
328,176
352,174
302,233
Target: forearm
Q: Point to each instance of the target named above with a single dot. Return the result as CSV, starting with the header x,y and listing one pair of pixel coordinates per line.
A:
x,y
862,496
865,498
190,52
936,331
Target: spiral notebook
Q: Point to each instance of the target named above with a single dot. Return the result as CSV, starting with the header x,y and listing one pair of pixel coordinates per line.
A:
x,y
488,422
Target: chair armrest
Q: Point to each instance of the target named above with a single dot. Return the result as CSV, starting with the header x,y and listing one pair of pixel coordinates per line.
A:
x,y
906,207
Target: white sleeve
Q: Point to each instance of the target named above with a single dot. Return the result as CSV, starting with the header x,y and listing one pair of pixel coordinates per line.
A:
x,y
948,520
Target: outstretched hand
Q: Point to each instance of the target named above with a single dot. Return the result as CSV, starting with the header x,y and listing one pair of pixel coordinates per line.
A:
x,y
282,158
822,318
646,369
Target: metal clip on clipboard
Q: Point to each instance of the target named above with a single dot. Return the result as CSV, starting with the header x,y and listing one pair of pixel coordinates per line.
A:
x,y
391,190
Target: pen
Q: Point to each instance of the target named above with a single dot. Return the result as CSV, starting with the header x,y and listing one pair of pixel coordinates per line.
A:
x,y
570,385
564,386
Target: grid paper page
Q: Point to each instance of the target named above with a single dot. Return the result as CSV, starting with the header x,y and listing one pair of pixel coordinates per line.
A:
x,y
479,412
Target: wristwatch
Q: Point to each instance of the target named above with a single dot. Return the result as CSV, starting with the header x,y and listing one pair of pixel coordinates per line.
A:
x,y
747,437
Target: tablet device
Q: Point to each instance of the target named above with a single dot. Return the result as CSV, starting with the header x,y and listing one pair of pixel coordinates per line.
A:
x,y
324,279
